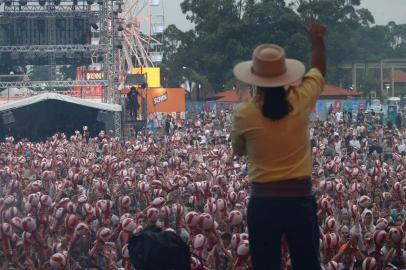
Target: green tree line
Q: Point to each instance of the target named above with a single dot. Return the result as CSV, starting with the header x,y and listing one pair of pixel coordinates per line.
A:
x,y
226,31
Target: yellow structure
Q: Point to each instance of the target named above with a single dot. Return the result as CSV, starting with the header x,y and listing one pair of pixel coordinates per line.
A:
x,y
153,75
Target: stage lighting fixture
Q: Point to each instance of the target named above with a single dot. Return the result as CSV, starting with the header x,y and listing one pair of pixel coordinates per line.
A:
x,y
8,2
119,4
94,25
119,43
42,2
100,2
23,2
89,2
75,2
57,2
119,9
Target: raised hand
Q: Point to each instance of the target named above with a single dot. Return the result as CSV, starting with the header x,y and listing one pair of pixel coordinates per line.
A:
x,y
315,29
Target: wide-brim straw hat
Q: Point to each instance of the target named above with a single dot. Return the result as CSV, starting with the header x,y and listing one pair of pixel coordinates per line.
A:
x,y
269,68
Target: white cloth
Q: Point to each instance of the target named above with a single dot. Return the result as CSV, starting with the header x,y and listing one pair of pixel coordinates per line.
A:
x,y
355,144
339,117
402,148
337,147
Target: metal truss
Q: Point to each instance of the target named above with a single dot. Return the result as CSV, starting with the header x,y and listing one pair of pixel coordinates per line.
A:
x,y
54,48
55,84
117,124
40,13
107,34
47,8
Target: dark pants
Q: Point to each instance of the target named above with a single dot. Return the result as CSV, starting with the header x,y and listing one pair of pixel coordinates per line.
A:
x,y
133,110
296,218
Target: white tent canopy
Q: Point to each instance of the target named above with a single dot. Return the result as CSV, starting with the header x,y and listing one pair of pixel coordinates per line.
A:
x,y
53,96
17,92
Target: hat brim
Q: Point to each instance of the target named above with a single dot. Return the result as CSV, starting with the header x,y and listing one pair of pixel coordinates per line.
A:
x,y
295,72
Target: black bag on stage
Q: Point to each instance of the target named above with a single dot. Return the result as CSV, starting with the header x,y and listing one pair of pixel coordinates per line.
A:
x,y
154,249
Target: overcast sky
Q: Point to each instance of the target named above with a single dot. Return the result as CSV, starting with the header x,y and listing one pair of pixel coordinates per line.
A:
x,y
383,11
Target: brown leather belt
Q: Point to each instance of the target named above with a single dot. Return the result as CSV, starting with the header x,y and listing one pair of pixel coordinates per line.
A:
x,y
284,188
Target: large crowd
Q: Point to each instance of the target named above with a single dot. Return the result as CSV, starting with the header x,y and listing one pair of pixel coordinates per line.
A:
x,y
72,203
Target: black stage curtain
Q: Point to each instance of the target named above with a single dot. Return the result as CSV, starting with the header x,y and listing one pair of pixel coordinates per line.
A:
x,y
38,121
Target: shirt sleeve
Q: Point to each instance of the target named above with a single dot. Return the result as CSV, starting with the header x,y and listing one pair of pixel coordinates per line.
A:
x,y
311,87
237,138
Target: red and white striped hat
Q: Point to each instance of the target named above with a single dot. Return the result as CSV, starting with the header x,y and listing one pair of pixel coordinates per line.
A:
x,y
165,212
129,225
199,241
29,224
232,197
125,201
58,261
158,202
243,249
330,223
364,201
369,264
178,210
235,241
348,170
33,199
9,200
82,228
6,229
354,211
395,235
206,222
386,196
355,172
195,264
332,266
235,217
397,187
71,221
104,234
380,238
192,219
82,199
355,188
16,222
210,207
221,205
328,241
382,224
152,214
340,188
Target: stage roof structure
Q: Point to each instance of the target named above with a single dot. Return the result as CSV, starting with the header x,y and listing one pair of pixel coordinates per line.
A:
x,y
54,96
41,116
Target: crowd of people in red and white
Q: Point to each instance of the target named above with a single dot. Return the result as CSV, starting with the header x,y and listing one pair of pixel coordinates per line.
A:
x,y
72,203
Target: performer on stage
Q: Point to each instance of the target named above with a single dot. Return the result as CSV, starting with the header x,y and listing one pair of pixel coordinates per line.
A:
x,y
132,102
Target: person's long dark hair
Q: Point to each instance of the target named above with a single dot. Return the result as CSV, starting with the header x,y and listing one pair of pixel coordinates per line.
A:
x,y
275,104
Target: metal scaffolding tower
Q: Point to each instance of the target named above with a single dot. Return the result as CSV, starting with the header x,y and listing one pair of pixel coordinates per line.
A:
x,y
103,12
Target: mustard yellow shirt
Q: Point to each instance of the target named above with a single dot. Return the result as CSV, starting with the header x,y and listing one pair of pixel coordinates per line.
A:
x,y
278,150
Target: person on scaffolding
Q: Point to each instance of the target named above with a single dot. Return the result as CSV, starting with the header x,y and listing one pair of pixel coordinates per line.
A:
x,y
132,102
